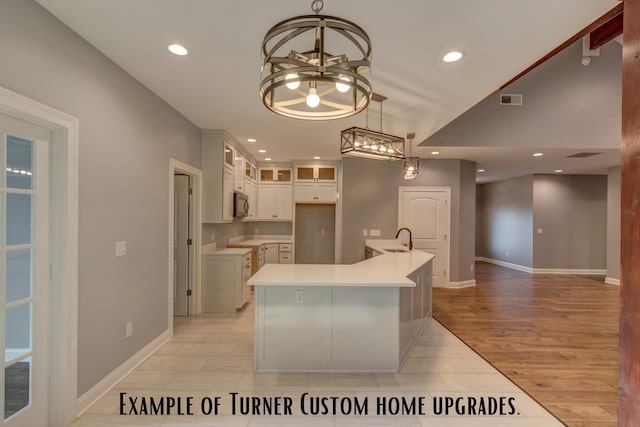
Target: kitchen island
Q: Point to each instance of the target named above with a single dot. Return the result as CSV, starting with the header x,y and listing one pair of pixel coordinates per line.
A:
x,y
364,317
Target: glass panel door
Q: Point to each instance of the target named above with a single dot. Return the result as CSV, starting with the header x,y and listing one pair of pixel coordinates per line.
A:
x,y
23,280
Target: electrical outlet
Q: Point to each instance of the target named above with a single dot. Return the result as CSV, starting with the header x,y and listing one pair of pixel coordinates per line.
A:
x,y
299,297
121,248
213,236
255,231
471,267
507,253
374,232
128,330
539,230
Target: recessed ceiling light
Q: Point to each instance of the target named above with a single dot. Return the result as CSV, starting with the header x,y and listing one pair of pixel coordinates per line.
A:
x,y
453,56
558,171
267,158
316,157
251,140
178,49
435,152
262,151
480,170
537,154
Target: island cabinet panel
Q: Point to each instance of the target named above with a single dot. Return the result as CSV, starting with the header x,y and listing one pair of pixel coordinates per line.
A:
x,y
364,317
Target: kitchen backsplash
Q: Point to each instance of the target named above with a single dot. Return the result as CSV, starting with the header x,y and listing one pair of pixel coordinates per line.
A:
x,y
223,232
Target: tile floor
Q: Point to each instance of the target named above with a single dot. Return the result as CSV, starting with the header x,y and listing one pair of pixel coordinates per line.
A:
x,y
212,355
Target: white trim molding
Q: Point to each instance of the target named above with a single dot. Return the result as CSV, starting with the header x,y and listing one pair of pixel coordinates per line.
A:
x,y
97,391
612,281
63,297
506,264
458,285
582,271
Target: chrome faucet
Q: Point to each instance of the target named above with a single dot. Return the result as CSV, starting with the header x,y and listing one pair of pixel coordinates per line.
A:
x,y
410,239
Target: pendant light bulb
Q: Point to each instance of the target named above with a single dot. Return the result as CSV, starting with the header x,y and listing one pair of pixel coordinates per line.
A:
x,y
313,100
343,87
292,85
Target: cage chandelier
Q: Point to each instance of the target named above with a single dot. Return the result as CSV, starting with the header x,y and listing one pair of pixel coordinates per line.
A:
x,y
316,67
411,164
361,142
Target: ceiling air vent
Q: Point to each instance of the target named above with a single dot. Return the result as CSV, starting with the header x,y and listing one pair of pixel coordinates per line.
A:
x,y
582,155
510,99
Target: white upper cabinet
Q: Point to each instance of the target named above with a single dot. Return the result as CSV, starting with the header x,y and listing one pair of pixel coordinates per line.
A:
x,y
223,172
316,184
275,175
316,173
275,202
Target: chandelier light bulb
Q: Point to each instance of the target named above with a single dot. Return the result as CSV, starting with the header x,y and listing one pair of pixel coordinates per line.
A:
x,y
292,85
343,87
313,100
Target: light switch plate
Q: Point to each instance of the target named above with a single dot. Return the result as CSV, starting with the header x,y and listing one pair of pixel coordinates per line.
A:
x,y
364,231
299,296
539,230
121,248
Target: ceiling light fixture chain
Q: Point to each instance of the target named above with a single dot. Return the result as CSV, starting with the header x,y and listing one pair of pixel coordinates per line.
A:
x,y
316,67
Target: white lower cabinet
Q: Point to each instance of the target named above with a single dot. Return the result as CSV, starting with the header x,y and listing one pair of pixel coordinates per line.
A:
x,y
271,253
285,253
224,280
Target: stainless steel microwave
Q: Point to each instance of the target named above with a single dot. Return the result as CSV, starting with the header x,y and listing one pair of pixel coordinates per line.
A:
x,y
240,204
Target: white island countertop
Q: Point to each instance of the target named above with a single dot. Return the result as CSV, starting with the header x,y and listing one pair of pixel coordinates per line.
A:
x,y
386,270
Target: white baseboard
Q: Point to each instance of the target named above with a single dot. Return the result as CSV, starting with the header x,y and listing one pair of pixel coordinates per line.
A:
x,y
506,264
97,391
456,285
569,271
612,281
526,269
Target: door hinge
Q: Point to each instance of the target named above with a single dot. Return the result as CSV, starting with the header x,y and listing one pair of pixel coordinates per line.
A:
x,y
188,292
445,237
445,272
189,242
190,191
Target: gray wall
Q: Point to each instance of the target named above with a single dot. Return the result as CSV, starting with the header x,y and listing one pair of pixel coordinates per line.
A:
x,y
572,212
315,234
127,135
565,104
370,200
613,223
479,221
507,211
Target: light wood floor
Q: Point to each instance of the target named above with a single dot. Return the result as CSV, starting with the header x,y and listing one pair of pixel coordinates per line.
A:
x,y
555,336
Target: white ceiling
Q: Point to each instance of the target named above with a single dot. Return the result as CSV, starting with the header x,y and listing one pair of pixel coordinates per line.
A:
x,y
216,85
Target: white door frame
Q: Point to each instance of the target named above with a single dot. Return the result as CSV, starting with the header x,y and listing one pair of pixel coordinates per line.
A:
x,y
63,293
195,249
447,190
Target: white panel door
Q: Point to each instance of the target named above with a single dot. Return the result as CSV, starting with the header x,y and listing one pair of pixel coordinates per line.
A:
x,y
426,213
24,273
181,236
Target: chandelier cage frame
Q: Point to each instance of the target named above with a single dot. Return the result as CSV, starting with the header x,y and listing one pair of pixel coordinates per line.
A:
x,y
364,142
286,72
411,166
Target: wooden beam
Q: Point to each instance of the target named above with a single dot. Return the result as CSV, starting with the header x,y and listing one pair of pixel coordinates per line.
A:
x,y
606,32
629,379
617,10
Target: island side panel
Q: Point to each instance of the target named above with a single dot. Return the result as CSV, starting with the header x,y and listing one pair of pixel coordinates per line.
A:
x,y
415,309
339,329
